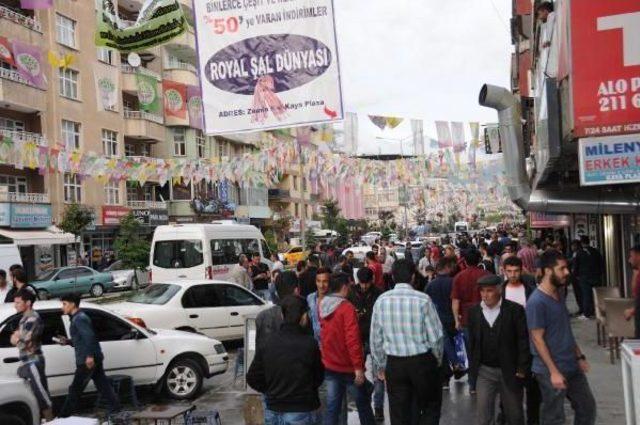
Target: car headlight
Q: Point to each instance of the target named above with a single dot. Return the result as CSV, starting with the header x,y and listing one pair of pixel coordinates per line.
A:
x,y
219,349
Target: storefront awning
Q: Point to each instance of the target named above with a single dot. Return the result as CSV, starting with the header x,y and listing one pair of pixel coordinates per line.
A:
x,y
50,236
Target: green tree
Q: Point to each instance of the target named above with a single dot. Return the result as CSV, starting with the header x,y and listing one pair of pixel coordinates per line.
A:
x,y
342,227
131,248
310,239
330,214
420,216
75,220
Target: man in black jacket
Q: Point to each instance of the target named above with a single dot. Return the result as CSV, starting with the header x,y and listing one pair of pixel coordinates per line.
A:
x,y
588,268
269,321
288,369
308,277
499,352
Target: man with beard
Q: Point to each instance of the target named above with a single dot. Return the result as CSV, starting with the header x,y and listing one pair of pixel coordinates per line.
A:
x,y
558,362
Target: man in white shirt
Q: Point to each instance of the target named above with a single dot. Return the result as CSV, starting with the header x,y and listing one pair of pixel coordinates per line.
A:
x,y
516,289
4,286
239,273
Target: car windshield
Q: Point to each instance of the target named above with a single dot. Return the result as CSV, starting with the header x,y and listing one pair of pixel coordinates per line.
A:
x,y
157,294
47,275
118,265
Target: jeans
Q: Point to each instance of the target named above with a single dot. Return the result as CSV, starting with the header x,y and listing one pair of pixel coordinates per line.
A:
x,y
378,385
265,294
81,380
491,384
291,418
337,385
579,394
415,390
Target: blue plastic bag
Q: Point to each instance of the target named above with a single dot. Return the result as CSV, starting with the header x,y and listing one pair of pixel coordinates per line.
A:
x,y
461,351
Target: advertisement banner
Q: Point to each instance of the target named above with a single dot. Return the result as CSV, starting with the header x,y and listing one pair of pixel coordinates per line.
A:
x,y
609,160
6,51
267,64
194,106
158,22
28,60
175,99
605,76
36,4
541,220
5,214
148,95
106,80
26,216
111,215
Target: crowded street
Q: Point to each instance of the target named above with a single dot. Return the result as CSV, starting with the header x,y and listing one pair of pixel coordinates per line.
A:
x,y
319,212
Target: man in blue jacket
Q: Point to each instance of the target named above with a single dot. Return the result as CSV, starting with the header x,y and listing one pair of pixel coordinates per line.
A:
x,y
89,358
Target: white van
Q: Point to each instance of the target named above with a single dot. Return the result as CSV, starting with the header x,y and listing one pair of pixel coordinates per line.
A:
x,y
203,251
9,255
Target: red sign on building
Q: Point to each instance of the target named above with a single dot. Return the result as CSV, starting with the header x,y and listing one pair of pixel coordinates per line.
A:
x,y
112,214
605,67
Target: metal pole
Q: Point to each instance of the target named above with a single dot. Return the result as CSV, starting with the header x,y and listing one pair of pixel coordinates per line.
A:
x,y
304,207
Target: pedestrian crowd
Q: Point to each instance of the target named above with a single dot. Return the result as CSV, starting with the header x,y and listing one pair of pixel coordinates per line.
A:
x,y
490,308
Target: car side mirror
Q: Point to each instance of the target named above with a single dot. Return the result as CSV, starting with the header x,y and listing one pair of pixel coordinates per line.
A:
x,y
134,334
56,278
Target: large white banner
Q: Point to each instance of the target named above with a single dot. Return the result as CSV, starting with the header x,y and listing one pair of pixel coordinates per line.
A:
x,y
267,64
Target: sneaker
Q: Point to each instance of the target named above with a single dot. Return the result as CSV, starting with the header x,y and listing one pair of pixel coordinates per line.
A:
x,y
582,317
379,414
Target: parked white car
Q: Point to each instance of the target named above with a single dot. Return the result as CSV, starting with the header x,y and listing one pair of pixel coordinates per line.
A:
x,y
123,277
18,405
213,308
175,361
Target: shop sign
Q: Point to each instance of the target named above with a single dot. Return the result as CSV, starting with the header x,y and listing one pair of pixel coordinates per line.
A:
x,y
5,214
151,217
605,70
111,215
267,64
182,219
609,160
541,220
27,216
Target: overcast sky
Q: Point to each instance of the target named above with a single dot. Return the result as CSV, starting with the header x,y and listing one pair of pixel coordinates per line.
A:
x,y
420,59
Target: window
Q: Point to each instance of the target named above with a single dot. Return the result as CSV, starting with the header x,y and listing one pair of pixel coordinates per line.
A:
x,y
181,192
53,326
227,251
201,296
112,193
179,143
71,134
11,125
304,184
295,182
156,294
105,55
266,252
200,144
72,188
297,210
233,296
129,150
65,30
108,327
15,184
68,79
110,142
178,254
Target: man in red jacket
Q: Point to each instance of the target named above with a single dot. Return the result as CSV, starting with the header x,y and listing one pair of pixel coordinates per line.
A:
x,y
342,353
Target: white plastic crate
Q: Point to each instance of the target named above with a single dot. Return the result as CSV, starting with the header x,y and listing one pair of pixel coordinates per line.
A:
x,y
630,353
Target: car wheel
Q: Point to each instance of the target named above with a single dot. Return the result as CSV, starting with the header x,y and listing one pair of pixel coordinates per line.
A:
x,y
6,419
183,379
43,295
96,290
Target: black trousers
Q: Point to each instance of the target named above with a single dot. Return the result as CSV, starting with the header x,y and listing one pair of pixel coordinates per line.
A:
x,y
81,380
415,389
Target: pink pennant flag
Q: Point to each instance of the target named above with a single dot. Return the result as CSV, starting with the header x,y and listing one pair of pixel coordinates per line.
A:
x,y
444,134
36,4
457,135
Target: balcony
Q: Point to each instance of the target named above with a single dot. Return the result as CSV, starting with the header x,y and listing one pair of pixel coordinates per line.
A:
x,y
17,25
145,205
183,46
279,195
25,198
142,125
24,136
129,83
19,94
177,70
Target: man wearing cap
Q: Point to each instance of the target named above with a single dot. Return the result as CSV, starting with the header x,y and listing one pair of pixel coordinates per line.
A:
x,y
499,352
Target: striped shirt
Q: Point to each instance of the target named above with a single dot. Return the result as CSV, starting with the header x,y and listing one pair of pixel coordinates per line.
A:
x,y
404,323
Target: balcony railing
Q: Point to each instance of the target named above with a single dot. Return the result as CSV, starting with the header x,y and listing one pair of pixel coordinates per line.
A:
x,y
141,115
25,21
13,75
279,194
173,63
128,69
142,205
27,198
24,136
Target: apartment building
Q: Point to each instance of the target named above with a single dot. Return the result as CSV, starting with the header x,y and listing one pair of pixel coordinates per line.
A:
x,y
64,113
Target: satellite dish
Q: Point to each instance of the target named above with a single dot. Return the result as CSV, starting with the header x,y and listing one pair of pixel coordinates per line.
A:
x,y
134,60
